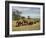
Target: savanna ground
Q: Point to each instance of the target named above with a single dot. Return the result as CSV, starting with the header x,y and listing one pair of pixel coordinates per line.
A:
x,y
25,27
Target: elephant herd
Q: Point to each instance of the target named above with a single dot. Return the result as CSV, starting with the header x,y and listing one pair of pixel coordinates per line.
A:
x,y
24,22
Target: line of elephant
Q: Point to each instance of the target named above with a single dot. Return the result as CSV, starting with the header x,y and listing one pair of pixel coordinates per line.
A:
x,y
25,22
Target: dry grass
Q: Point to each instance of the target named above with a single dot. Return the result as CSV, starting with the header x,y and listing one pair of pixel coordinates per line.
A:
x,y
25,27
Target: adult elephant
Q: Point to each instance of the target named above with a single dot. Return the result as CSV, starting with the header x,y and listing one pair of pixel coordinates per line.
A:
x,y
19,23
25,22
30,23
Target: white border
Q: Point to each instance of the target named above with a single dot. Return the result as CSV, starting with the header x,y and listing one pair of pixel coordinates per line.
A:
x,y
25,32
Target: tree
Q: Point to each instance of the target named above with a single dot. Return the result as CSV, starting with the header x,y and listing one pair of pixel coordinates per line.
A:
x,y
16,14
23,17
28,17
